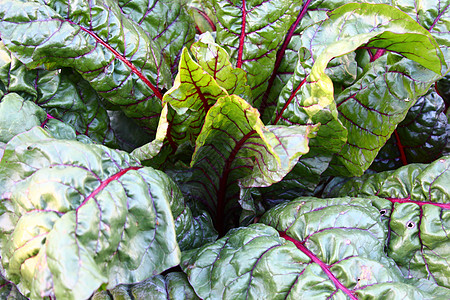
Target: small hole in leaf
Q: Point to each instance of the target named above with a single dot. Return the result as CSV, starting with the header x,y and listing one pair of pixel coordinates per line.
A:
x,y
410,224
383,212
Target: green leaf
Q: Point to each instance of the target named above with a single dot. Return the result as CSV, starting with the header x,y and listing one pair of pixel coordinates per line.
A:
x,y
197,87
17,116
252,31
316,249
417,207
192,95
166,22
420,138
308,97
62,94
8,291
203,15
432,15
236,150
83,216
215,60
174,286
108,49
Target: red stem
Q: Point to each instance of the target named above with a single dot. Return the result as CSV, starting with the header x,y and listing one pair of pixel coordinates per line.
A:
x,y
324,266
377,55
207,18
282,51
401,148
420,203
241,38
289,101
123,59
221,198
103,184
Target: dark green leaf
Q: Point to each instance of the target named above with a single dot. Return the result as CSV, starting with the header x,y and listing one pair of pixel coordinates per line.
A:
x,y
420,138
62,94
173,286
166,22
252,31
109,50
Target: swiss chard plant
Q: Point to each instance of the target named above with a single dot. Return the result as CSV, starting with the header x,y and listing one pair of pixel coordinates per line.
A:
x,y
216,149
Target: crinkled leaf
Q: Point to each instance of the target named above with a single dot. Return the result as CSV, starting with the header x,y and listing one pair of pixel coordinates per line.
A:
x,y
192,95
252,31
83,216
308,96
443,89
417,207
319,249
434,15
215,60
236,150
166,22
420,138
108,49
197,87
62,94
174,286
18,115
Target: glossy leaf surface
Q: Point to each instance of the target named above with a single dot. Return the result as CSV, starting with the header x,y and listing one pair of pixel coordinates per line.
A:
x,y
173,286
62,94
420,138
166,22
82,216
308,96
108,49
252,31
416,206
316,249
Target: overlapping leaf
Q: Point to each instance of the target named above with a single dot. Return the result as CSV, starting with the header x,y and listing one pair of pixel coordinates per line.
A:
x,y
197,87
308,96
316,249
18,115
62,94
173,286
434,16
252,31
215,61
420,138
109,50
236,150
78,216
166,22
203,15
416,206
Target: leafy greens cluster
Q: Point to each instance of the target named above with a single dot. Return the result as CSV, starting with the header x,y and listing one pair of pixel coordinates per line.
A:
x,y
215,149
